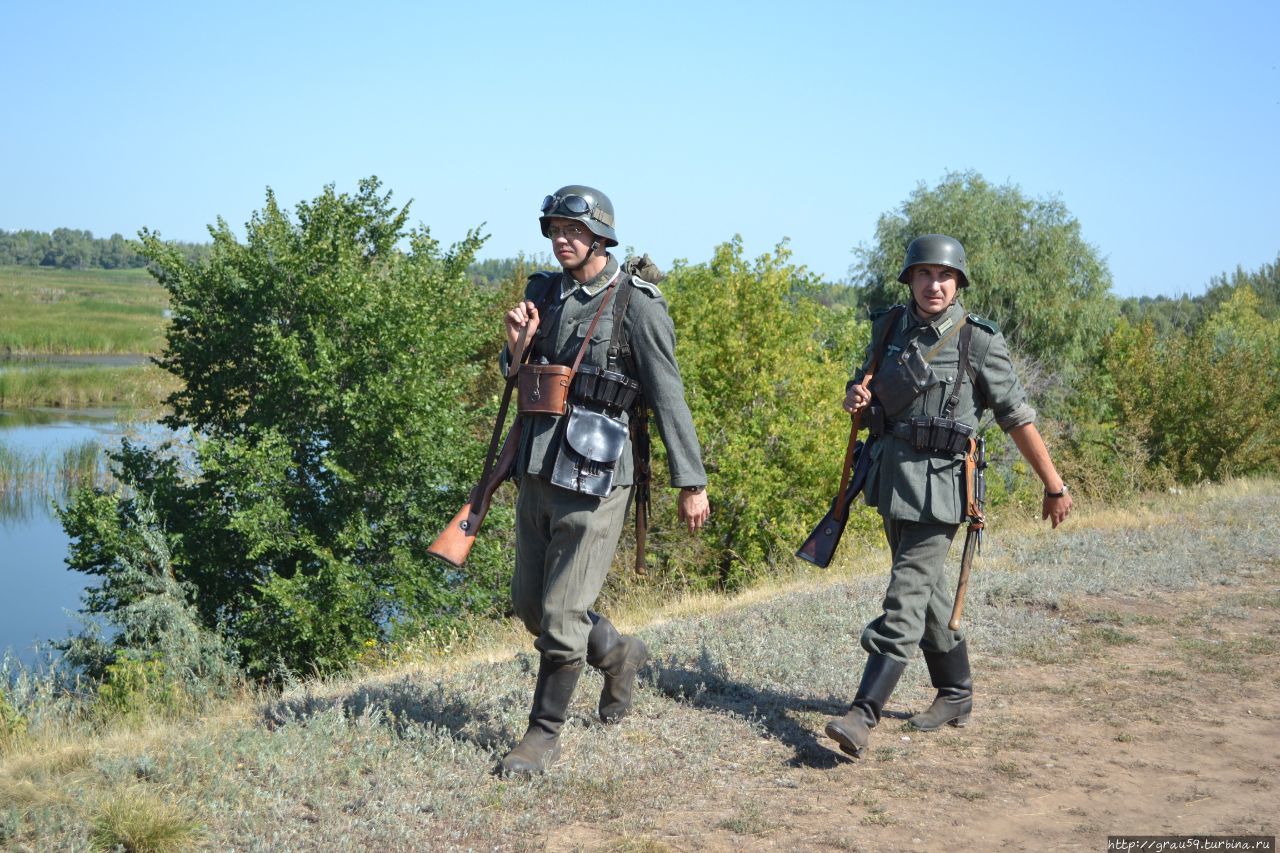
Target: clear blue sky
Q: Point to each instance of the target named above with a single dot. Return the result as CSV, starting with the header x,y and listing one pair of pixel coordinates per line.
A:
x,y
1157,124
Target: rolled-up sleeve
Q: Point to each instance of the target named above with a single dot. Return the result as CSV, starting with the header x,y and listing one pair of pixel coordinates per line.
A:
x,y
1001,389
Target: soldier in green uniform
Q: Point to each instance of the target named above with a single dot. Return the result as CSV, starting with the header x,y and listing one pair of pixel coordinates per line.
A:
x,y
921,389
570,511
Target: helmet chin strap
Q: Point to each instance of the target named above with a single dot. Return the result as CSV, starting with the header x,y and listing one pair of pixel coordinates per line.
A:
x,y
595,244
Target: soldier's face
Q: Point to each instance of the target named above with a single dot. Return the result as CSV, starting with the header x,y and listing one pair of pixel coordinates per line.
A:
x,y
570,241
933,287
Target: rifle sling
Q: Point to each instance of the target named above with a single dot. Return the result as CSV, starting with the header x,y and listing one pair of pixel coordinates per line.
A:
x,y
518,357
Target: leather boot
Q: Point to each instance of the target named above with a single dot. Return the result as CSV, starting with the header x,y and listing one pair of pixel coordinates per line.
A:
x,y
540,745
949,672
619,658
853,730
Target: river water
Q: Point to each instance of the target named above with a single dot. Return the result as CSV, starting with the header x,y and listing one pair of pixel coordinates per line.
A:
x,y
40,593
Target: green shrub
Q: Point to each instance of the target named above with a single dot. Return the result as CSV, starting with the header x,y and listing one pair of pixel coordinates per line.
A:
x,y
328,400
765,365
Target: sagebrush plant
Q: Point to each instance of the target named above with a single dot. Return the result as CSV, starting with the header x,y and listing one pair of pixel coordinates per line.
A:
x,y
156,653
12,723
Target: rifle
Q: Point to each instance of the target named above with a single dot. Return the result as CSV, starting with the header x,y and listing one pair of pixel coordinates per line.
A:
x,y
821,544
975,489
820,547
455,541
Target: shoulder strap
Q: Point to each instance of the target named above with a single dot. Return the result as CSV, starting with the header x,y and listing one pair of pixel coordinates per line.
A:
x,y
619,345
964,368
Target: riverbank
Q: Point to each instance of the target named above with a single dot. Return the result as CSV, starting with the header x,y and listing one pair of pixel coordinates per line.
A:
x,y
68,386
1089,644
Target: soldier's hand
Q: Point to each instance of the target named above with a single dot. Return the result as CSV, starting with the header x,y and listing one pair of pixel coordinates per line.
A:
x,y
524,314
1056,509
694,509
857,397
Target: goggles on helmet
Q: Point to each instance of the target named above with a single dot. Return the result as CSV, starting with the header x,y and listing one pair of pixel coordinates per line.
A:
x,y
574,205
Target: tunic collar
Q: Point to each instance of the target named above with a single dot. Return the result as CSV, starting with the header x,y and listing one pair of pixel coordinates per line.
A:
x,y
569,285
940,324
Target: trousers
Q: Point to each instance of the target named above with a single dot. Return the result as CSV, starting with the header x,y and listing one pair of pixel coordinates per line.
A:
x,y
917,604
565,544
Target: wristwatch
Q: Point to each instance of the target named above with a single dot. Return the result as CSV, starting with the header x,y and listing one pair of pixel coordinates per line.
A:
x,y
693,490
1061,494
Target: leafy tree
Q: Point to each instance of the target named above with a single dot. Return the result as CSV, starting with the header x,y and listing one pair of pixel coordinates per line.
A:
x,y
1032,272
325,376
1180,393
764,364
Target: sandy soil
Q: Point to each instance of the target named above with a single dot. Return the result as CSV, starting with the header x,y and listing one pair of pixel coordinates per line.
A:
x,y
1167,724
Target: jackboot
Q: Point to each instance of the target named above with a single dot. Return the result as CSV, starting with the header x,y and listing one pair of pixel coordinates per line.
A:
x,y
619,658
540,746
949,672
853,730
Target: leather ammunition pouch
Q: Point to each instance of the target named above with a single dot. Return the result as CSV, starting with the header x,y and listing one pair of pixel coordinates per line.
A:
x,y
543,389
590,445
927,434
601,388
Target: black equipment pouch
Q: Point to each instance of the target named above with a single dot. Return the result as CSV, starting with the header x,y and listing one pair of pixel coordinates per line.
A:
x,y
590,445
875,419
608,388
937,435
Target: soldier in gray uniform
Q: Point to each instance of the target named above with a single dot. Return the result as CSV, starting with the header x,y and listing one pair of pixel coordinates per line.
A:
x,y
570,509
919,389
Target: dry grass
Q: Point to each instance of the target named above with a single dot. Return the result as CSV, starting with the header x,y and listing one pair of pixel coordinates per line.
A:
x,y
725,723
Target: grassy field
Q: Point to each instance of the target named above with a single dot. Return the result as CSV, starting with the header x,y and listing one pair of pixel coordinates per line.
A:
x,y
52,311
139,387
1089,644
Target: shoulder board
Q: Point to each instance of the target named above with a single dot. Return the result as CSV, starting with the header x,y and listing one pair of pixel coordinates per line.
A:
x,y
646,286
984,324
880,312
539,284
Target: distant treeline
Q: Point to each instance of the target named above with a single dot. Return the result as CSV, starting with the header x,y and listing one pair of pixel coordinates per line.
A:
x,y
74,249
1189,312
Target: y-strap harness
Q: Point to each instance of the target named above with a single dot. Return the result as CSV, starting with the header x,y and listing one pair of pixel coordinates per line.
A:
x,y
942,434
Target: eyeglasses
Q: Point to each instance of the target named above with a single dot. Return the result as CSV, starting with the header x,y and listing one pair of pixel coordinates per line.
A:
x,y
574,205
569,232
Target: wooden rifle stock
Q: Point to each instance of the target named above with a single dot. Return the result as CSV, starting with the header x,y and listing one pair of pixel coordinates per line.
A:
x,y
455,541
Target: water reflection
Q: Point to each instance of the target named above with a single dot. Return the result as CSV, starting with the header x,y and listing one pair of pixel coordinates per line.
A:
x,y
18,362
44,453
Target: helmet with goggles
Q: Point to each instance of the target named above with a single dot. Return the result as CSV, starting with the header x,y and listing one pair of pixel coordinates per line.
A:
x,y
935,249
583,204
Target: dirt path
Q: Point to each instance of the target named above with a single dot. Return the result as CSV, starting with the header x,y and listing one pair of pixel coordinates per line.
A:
x,y
1168,724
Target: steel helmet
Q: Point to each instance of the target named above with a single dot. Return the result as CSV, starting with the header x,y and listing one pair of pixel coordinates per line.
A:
x,y
936,249
586,205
